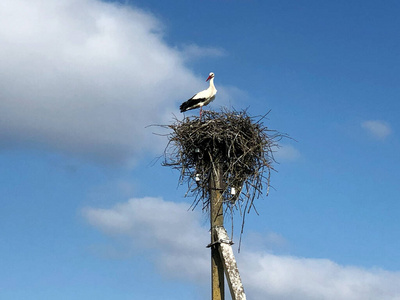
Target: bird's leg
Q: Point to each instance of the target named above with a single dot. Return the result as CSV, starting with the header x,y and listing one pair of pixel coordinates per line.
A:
x,y
201,109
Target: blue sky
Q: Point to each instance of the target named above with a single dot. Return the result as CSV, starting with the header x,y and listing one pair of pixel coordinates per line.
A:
x,y
88,213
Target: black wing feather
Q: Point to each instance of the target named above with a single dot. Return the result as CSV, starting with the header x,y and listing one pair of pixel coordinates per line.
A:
x,y
191,104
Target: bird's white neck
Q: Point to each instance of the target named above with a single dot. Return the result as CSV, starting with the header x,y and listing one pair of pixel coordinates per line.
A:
x,y
212,86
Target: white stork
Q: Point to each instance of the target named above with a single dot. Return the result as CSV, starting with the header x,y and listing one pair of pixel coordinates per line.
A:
x,y
202,98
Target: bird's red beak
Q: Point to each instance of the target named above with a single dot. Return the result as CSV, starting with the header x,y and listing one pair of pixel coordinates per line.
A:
x,y
209,77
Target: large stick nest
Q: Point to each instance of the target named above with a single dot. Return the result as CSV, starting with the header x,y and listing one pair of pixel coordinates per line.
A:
x,y
242,146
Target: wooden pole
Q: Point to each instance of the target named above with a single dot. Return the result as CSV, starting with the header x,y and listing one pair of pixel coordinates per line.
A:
x,y
216,219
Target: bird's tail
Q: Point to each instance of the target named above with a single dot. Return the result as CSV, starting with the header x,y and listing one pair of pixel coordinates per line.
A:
x,y
183,107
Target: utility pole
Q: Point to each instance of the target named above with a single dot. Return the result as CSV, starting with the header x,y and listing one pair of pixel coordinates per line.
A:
x,y
216,220
219,156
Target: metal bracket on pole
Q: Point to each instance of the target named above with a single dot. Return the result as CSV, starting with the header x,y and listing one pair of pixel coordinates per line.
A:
x,y
220,241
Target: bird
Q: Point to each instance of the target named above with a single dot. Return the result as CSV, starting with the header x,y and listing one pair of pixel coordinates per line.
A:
x,y
202,98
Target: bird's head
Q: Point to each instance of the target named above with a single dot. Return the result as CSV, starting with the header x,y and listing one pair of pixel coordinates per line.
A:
x,y
211,75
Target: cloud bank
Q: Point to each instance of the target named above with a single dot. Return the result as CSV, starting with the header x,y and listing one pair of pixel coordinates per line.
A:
x,y
153,224
166,227
85,77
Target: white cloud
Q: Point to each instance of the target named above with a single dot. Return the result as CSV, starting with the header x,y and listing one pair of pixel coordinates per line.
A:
x,y
268,276
85,77
165,227
192,51
177,236
378,129
286,153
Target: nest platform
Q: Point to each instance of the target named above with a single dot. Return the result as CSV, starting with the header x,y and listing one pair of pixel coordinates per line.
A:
x,y
240,145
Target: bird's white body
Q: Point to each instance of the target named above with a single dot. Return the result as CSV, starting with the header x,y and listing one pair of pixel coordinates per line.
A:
x,y
206,94
202,98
